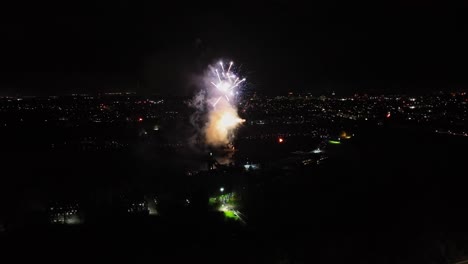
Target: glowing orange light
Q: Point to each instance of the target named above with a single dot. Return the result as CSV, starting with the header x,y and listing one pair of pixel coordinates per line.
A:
x,y
140,119
280,140
344,135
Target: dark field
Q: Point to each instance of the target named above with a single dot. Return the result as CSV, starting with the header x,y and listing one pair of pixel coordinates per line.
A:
x,y
390,194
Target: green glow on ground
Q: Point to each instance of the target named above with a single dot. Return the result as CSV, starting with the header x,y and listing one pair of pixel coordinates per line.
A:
x,y
225,203
334,142
230,214
212,201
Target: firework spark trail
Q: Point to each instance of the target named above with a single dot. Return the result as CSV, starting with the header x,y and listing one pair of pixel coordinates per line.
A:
x,y
217,73
214,105
229,69
222,67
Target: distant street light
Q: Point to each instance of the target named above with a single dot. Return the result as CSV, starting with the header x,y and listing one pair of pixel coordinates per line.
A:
x,y
221,189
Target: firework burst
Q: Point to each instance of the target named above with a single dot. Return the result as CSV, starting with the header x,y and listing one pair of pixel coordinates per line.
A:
x,y
225,82
222,117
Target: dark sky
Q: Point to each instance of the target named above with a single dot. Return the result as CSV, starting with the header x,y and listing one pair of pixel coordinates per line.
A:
x,y
157,47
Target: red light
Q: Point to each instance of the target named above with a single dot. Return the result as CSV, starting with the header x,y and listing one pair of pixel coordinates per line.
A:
x,y
140,119
388,115
280,140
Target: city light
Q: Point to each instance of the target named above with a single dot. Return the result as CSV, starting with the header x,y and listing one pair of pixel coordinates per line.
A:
x,y
344,135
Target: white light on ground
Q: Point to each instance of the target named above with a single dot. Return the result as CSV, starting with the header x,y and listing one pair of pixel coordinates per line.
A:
x,y
316,151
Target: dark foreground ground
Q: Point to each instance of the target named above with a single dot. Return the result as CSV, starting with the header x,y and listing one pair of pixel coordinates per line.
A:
x,y
389,195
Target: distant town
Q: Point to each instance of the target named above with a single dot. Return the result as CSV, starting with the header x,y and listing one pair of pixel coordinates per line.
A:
x,y
118,161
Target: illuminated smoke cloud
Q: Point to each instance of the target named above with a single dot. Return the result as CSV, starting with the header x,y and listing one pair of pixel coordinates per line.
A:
x,y
222,121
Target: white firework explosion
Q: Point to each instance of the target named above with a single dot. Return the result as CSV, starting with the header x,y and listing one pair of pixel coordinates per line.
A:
x,y
225,82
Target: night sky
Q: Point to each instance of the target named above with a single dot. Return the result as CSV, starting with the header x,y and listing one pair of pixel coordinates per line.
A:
x,y
158,48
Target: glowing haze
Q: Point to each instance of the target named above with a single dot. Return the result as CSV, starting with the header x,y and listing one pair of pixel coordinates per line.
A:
x,y
223,119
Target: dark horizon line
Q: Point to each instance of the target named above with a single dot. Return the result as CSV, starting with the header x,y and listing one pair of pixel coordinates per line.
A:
x,y
288,93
